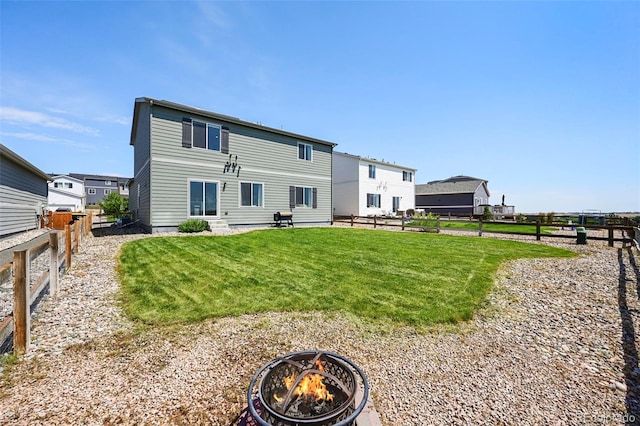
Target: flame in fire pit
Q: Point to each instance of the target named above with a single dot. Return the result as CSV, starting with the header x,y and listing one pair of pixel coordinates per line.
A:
x,y
311,386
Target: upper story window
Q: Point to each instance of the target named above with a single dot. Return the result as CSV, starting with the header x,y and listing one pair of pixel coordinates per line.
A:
x,y
304,151
107,182
91,191
407,176
198,134
372,171
63,185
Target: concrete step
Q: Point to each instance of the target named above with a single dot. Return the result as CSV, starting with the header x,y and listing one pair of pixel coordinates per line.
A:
x,y
218,224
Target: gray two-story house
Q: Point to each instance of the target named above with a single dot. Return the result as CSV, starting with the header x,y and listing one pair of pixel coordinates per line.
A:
x,y
195,164
99,186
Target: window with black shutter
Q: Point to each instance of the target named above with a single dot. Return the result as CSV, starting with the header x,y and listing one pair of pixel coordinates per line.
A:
x,y
292,197
186,132
224,141
198,134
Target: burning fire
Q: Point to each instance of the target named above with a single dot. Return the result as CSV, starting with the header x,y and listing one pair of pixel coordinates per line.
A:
x,y
310,386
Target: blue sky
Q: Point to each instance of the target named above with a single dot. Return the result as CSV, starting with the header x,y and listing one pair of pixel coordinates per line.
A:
x,y
542,99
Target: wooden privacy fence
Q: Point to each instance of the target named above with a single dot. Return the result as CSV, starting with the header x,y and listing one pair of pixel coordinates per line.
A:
x,y
629,233
32,275
57,220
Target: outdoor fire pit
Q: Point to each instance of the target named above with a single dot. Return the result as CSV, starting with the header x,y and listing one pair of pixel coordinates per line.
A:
x,y
313,388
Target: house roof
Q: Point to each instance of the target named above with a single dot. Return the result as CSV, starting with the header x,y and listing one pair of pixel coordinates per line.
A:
x,y
98,177
453,185
373,160
56,176
12,156
214,116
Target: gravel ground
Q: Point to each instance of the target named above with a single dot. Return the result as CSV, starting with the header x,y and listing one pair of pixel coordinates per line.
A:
x,y
554,345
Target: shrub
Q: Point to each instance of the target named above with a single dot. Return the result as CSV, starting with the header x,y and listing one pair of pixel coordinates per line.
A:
x,y
114,204
487,215
550,217
193,225
521,218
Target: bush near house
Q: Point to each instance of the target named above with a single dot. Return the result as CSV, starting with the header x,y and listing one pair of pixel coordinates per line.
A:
x,y
193,225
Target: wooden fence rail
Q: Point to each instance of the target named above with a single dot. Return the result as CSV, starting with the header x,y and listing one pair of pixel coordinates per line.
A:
x,y
628,233
30,284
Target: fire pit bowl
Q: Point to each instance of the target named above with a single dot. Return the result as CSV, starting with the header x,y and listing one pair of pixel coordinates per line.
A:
x,y
311,388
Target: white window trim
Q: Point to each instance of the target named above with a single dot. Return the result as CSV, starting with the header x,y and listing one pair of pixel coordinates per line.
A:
x,y
240,195
91,191
203,216
304,191
206,135
310,160
379,200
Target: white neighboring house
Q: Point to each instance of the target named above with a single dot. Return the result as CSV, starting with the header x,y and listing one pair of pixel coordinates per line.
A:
x,y
366,187
66,192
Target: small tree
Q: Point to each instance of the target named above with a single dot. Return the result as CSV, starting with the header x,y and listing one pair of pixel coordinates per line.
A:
x,y
114,204
550,217
487,215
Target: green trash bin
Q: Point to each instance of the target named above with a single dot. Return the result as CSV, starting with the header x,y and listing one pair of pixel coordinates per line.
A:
x,y
582,235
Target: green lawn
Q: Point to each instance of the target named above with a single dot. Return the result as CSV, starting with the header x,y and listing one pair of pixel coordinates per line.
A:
x,y
404,278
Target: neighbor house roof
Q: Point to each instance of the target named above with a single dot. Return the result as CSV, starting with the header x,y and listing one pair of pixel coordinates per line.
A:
x,y
82,177
214,116
57,176
373,160
453,185
12,156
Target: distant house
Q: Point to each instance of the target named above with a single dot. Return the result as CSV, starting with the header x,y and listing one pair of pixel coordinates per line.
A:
x,y
23,193
457,195
99,186
66,192
366,187
195,164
